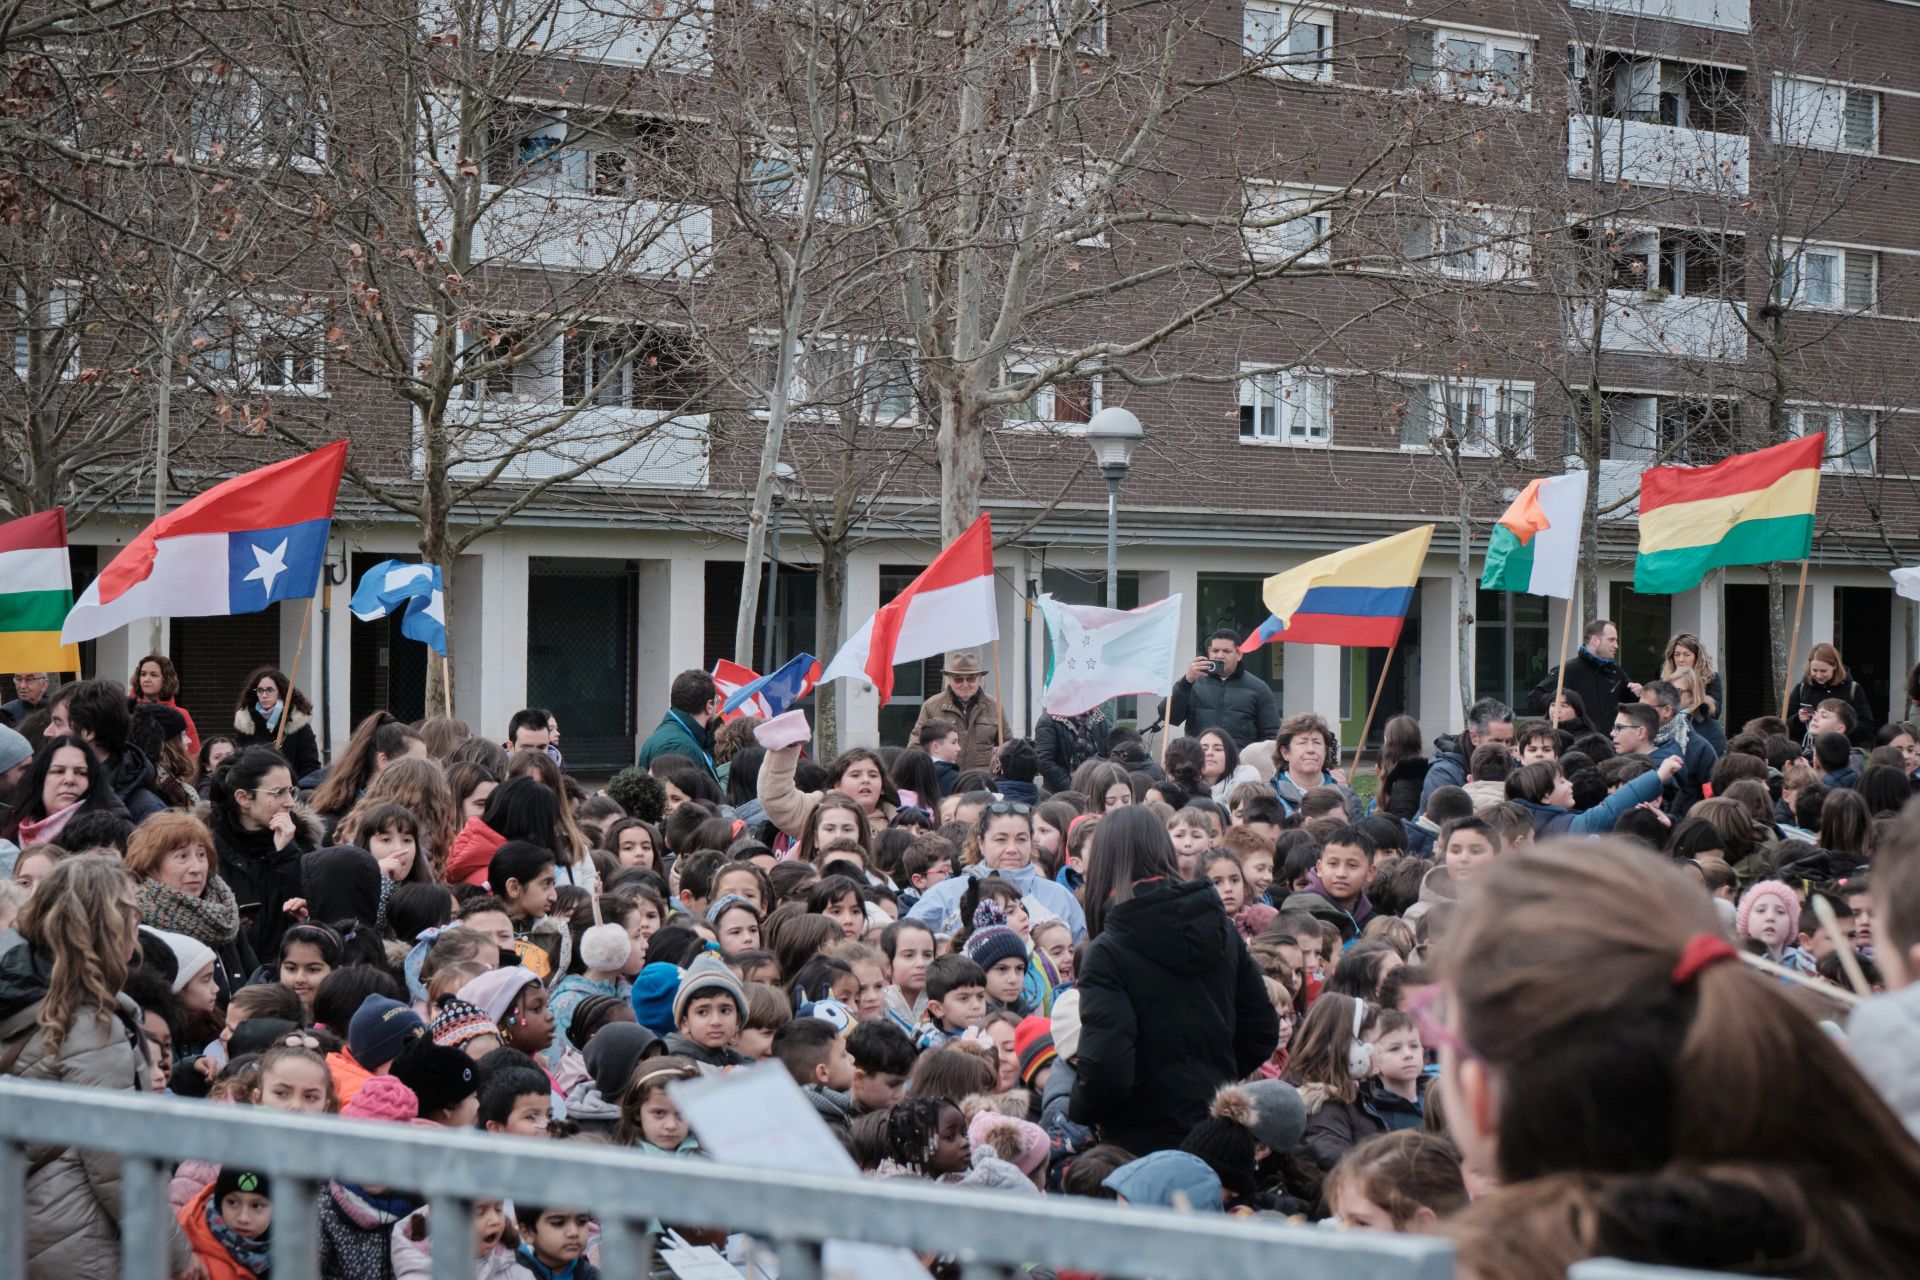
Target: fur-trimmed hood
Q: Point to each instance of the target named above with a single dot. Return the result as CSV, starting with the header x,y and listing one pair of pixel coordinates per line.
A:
x,y
246,721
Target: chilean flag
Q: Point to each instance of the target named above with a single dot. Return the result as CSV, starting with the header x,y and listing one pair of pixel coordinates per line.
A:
x,y
949,606
729,677
768,695
237,548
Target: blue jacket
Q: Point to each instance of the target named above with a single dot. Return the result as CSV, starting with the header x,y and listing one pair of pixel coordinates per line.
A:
x,y
1020,792
939,907
1449,769
1552,820
1696,770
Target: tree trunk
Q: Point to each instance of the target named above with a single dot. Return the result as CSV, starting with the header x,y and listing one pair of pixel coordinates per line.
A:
x,y
436,548
963,464
1777,626
1464,616
833,603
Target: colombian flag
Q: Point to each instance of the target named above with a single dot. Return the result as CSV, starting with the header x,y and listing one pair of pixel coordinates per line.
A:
x,y
1355,597
1754,508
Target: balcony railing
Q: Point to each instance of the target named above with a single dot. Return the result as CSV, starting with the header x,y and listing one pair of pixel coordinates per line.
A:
x,y
1689,328
1722,15
1657,155
578,232
664,450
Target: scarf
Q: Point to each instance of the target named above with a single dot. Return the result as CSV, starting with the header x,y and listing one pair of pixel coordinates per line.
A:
x,y
212,918
252,1255
1674,731
48,829
1083,728
271,717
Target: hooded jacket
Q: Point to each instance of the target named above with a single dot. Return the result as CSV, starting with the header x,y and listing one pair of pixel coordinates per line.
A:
x,y
214,1256
261,877
1448,768
1361,911
299,747
472,850
1171,1008
939,907
130,775
1241,706
72,1199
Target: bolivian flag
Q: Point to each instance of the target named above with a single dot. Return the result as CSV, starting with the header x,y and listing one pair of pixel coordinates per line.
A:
x,y
1354,597
1754,508
36,591
1535,547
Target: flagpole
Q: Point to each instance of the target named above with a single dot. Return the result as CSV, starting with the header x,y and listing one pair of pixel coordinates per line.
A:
x,y
999,707
1566,638
1799,603
1379,687
446,682
286,710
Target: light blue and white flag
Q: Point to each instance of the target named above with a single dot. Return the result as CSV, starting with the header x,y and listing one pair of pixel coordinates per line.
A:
x,y
1099,654
393,584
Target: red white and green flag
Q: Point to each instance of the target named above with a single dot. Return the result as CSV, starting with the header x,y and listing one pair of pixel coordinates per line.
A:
x,y
36,591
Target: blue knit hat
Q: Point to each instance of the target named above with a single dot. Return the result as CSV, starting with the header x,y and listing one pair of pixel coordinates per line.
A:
x,y
1156,1179
380,1029
653,992
991,940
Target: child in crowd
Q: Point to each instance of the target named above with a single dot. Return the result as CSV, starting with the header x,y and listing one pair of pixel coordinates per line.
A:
x,y
391,833
883,1058
910,949
869,969
1396,1092
1405,1181
520,874
553,1242
1222,868
768,1009
1341,872
308,953
1769,915
227,1225
294,1077
1002,958
1053,939
494,1244
928,861
1255,852
354,1221
516,1100
815,1055
926,1138
735,922
1331,1062
649,1119
1487,776
611,954
515,1001
1191,833
1467,847
707,1013
956,1000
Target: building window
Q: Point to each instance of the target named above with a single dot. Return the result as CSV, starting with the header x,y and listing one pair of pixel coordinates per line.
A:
x,y
1829,117
1470,244
1850,436
1691,430
1510,647
629,366
45,320
1079,23
626,157
1286,40
778,184
1684,95
1482,418
837,376
1829,279
1065,401
509,359
1288,406
1288,222
288,356
268,119
1468,64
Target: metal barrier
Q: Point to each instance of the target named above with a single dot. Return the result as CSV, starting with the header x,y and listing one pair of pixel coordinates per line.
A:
x,y
992,1234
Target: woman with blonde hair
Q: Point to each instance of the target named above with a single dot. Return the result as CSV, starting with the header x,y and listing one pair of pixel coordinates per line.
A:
x,y
1687,652
1702,711
1826,678
64,1021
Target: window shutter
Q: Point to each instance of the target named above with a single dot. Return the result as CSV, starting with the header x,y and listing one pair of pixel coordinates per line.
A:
x,y
1861,268
1416,426
1249,423
1861,117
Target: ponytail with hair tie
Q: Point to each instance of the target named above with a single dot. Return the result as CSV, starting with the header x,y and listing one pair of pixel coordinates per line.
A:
x,y
1702,952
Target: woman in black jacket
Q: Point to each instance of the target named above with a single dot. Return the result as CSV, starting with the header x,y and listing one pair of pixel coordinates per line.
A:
x,y
264,699
1064,743
260,839
1826,677
1171,1005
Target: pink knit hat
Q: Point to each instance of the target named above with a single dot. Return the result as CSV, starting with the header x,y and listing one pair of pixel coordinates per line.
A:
x,y
1767,888
1034,1146
383,1098
495,991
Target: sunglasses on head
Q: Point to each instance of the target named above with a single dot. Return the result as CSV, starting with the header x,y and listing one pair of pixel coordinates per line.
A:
x,y
999,807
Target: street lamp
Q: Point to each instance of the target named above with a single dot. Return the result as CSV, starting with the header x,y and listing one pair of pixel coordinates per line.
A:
x,y
1114,435
782,475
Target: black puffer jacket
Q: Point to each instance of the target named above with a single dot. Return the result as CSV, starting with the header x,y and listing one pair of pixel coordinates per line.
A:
x,y
1241,705
1062,748
262,878
130,775
301,749
1171,1008
1601,684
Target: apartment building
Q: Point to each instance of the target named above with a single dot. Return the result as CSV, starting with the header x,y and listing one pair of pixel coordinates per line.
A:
x,y
1477,242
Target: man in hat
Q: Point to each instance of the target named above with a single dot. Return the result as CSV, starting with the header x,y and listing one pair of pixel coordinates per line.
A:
x,y
965,703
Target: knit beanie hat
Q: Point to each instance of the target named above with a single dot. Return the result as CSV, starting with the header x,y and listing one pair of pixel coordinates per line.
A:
x,y
380,1028
245,1181
496,990
190,956
1156,1179
458,1022
992,941
1066,1024
708,973
13,749
383,1098
653,992
441,1078
1225,1141
605,946
1020,1142
1033,1046
1768,888
613,1054
1279,1113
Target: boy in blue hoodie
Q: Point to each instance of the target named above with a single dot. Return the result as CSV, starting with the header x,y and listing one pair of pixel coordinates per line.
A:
x,y
553,1242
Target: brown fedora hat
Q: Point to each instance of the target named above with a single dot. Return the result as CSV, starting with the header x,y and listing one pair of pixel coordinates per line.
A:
x,y
963,662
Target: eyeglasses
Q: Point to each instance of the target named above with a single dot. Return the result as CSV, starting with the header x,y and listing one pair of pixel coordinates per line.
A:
x,y
1428,1011
273,689
278,793
1000,807
964,679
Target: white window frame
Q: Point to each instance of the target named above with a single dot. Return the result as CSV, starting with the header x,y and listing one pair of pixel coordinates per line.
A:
x,y
777,183
1443,77
543,373
243,333
1840,457
1042,21
1291,408
862,353
1489,407
1824,106
1271,200
1267,30
250,105
1496,247
1037,411
64,298
1793,277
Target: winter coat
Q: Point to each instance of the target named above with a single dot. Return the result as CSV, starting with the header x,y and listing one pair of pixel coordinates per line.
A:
x,y
262,878
592,1110
1883,1039
939,907
213,1255
189,1180
412,1253
1806,694
1241,706
710,1061
1601,684
982,726
72,1198
299,747
788,807
1448,768
1242,773
1696,770
1401,789
1392,1110
1062,749
1334,1127
1361,911
1171,1008
565,998
130,776
472,850
1291,795
678,734
1552,820
1487,795
355,1232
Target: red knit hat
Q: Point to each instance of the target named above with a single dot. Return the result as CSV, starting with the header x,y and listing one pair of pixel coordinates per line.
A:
x,y
383,1098
1033,1046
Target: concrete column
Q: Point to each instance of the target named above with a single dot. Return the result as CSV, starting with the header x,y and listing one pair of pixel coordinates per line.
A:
x,y
1439,690
1817,626
859,703
115,652
333,671
299,655
672,607
1312,681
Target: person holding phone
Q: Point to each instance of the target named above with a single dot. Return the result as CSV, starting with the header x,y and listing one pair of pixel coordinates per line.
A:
x,y
1219,693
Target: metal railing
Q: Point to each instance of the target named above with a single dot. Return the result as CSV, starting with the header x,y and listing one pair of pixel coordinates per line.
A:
x,y
992,1234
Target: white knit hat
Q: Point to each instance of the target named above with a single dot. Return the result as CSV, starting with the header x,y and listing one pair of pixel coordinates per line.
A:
x,y
1066,1024
190,954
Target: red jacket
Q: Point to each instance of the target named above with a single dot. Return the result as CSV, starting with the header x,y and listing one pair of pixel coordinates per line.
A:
x,y
193,733
212,1254
472,850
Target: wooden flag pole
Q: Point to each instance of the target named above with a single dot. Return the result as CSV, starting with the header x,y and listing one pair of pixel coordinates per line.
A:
x,y
1793,648
446,688
1566,637
1379,687
999,707
293,676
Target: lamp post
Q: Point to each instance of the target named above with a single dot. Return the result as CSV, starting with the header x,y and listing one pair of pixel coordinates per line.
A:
x,y
1114,434
782,474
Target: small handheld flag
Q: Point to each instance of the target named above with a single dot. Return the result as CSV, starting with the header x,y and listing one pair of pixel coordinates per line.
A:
x,y
776,692
394,584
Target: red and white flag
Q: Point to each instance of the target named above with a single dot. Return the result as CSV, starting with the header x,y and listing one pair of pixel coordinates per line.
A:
x,y
729,677
949,606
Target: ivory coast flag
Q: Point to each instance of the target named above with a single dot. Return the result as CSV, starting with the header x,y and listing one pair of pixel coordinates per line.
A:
x,y
1535,547
1754,508
36,590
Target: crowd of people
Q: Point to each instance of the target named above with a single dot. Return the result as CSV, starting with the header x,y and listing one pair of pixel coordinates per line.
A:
x,y
1610,981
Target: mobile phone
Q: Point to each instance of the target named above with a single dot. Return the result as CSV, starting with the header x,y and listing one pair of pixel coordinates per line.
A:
x,y
1215,666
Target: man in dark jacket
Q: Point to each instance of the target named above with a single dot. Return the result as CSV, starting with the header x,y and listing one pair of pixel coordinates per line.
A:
x,y
1218,693
1675,738
687,728
1593,674
1488,720
95,711
1171,1008
29,691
